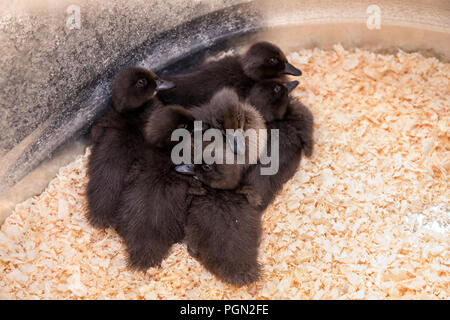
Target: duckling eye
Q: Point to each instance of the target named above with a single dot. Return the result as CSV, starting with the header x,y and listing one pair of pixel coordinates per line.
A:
x,y
273,61
141,82
206,167
277,89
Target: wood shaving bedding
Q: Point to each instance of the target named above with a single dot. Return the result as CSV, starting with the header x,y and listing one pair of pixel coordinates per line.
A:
x,y
367,217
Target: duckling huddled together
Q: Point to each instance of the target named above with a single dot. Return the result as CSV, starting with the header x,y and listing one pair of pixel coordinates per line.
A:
x,y
152,202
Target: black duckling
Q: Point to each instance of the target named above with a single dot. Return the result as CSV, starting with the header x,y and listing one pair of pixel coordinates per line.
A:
x,y
223,228
117,137
153,204
263,60
295,137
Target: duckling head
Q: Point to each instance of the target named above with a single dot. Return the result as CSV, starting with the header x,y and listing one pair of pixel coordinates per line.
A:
x,y
132,87
271,98
264,60
216,176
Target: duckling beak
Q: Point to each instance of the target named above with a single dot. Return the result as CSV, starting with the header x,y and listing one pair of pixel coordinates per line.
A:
x,y
164,85
291,85
185,169
290,69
